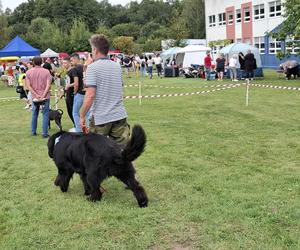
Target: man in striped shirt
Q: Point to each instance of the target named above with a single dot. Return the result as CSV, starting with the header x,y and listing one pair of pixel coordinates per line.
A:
x,y
104,94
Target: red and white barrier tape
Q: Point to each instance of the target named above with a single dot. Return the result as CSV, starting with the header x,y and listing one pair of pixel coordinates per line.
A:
x,y
273,86
181,87
181,94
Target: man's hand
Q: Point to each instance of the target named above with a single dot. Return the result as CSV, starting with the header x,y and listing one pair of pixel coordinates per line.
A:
x,y
82,123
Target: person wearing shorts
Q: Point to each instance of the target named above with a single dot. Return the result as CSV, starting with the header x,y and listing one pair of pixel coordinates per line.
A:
x,y
220,67
104,95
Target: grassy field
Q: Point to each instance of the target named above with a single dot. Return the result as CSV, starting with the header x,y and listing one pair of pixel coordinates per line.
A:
x,y
219,175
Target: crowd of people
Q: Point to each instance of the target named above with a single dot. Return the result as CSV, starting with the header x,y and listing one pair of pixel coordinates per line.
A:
x,y
246,63
141,65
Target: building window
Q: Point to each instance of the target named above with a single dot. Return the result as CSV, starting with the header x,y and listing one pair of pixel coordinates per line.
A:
x,y
239,40
247,14
292,46
212,21
259,11
238,16
259,42
274,46
222,19
230,17
275,8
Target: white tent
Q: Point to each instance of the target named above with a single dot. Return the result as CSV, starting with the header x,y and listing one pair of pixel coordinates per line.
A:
x,y
49,53
236,48
191,54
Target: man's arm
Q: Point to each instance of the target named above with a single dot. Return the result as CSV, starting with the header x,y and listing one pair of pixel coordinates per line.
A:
x,y
48,86
28,84
75,84
88,101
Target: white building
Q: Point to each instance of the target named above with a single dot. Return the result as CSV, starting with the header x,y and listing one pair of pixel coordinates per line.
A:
x,y
247,22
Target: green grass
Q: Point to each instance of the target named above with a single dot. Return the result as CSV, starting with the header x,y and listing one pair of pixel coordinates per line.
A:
x,y
219,175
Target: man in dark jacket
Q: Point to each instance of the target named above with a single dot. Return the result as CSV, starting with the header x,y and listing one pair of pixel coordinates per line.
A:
x,y
250,65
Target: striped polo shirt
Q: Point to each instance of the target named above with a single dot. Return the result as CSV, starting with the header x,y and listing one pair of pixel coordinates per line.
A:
x,y
106,76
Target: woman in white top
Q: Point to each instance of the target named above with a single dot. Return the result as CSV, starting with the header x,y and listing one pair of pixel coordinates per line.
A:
x,y
232,67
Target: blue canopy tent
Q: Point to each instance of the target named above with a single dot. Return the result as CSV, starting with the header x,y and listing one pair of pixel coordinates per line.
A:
x,y
236,48
18,47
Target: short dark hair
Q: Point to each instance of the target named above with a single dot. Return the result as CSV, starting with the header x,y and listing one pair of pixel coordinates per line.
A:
x,y
37,61
75,55
67,59
100,43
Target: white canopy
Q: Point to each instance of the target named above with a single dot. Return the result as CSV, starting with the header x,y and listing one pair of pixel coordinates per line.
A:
x,y
191,54
49,53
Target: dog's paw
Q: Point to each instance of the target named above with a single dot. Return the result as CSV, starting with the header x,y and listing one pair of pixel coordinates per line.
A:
x,y
143,203
95,196
87,193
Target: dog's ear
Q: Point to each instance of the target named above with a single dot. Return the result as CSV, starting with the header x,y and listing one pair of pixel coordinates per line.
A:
x,y
51,143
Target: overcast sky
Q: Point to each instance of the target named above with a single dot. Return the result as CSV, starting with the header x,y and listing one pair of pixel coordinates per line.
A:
x,y
14,3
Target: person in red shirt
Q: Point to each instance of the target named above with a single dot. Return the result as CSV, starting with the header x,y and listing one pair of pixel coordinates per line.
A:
x,y
207,65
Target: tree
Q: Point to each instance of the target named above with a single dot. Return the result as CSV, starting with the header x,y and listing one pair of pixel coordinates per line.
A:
x,y
102,29
178,31
79,37
5,30
194,15
290,27
152,45
124,43
126,29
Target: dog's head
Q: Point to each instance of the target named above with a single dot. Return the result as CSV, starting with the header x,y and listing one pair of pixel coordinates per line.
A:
x,y
51,142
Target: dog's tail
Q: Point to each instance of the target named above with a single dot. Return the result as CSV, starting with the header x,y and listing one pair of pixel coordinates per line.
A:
x,y
135,147
60,111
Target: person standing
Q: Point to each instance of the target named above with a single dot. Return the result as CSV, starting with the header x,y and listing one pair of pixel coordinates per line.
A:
x,y
150,63
104,95
249,65
79,90
143,64
207,65
220,67
232,67
38,81
158,65
70,79
242,64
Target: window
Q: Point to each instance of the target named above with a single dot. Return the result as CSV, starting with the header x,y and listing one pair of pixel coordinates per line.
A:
x,y
259,11
239,40
212,21
230,17
238,16
247,14
222,19
292,46
259,42
274,46
275,8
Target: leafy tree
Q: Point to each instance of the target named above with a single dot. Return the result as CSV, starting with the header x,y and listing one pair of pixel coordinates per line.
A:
x,y
194,16
126,29
152,45
124,43
290,27
178,31
79,37
5,30
102,29
148,29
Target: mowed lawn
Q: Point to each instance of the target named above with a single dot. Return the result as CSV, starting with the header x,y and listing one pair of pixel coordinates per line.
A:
x,y
219,175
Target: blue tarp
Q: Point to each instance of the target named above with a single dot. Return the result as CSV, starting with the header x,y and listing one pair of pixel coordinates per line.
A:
x,y
18,47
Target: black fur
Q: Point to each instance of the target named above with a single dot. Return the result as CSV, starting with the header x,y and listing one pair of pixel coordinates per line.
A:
x,y
95,157
56,115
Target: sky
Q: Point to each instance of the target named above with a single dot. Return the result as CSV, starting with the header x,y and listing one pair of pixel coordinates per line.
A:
x,y
14,3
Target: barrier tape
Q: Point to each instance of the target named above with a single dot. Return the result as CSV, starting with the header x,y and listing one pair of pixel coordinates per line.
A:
x,y
181,94
274,86
178,87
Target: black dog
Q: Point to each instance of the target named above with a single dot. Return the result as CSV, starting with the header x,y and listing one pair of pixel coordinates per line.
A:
x,y
293,71
56,115
95,157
